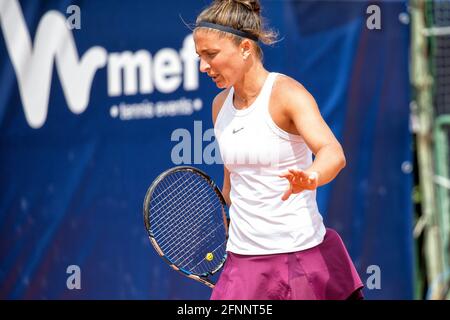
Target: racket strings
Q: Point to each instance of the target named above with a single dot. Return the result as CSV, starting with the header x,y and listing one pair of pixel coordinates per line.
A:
x,y
207,264
206,267
197,241
181,202
195,235
192,253
165,185
165,210
180,222
192,187
203,243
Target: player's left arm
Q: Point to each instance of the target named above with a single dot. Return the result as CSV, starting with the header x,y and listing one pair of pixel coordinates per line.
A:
x,y
302,110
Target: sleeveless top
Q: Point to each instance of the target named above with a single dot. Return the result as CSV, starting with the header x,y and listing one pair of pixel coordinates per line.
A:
x,y
256,151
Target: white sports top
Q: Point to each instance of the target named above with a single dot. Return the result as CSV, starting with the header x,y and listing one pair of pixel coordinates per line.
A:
x,y
256,151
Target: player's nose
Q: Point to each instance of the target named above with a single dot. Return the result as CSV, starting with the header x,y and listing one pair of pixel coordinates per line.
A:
x,y
204,66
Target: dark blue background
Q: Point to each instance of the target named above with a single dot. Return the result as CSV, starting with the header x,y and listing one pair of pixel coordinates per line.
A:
x,y
71,191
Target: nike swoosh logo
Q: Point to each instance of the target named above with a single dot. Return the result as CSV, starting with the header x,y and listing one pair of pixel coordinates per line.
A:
x,y
235,131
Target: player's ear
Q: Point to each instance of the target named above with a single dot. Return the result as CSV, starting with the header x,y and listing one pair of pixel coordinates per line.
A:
x,y
245,48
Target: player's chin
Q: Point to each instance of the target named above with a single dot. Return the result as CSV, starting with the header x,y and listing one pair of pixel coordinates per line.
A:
x,y
221,84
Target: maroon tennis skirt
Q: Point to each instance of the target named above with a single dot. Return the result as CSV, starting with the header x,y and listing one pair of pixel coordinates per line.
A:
x,y
324,272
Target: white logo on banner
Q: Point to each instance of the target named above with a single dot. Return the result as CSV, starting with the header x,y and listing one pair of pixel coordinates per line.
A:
x,y
54,42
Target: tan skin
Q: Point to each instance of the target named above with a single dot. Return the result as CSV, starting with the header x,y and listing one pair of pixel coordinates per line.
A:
x,y
291,106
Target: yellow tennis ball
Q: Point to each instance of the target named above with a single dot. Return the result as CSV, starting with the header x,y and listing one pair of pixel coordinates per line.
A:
x,y
209,256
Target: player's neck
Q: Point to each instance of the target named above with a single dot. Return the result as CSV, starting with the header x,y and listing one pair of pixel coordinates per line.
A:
x,y
249,87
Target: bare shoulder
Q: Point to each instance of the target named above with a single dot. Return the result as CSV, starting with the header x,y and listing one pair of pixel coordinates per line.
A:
x,y
218,103
291,95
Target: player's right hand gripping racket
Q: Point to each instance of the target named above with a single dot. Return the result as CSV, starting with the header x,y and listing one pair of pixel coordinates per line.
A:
x,y
184,214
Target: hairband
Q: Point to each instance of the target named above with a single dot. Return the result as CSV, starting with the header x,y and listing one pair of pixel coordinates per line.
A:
x,y
220,27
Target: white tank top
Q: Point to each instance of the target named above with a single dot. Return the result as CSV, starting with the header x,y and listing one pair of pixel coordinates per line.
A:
x,y
256,151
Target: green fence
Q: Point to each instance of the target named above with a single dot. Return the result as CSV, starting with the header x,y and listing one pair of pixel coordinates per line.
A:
x,y
430,77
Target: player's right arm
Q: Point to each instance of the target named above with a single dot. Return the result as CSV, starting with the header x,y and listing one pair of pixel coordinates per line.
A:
x,y
217,105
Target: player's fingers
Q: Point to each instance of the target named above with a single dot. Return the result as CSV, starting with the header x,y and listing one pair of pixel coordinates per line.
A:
x,y
295,172
288,176
300,175
300,179
287,193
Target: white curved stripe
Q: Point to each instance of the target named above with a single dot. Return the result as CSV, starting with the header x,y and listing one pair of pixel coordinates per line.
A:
x,y
34,66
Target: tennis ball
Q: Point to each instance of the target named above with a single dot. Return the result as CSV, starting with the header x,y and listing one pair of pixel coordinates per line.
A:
x,y
209,256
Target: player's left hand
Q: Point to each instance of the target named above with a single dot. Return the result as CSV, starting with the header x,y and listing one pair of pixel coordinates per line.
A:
x,y
299,180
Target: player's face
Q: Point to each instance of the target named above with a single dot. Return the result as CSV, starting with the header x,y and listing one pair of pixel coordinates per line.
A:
x,y
219,57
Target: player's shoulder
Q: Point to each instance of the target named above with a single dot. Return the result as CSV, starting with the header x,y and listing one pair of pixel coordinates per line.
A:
x,y
290,95
286,86
218,102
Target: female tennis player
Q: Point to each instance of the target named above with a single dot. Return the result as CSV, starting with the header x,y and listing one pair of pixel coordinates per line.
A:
x,y
268,126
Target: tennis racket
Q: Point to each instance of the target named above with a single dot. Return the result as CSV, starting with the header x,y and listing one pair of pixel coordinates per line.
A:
x,y
184,215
